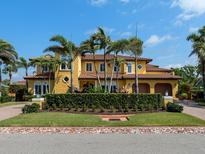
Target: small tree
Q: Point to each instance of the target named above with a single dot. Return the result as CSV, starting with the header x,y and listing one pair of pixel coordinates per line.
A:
x,y
23,63
10,69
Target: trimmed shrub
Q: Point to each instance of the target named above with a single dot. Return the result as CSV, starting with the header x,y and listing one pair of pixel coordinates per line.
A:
x,y
121,102
184,96
31,108
4,99
173,107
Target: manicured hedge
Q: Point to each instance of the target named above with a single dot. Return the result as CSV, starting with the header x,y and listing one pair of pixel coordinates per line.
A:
x,y
4,99
103,101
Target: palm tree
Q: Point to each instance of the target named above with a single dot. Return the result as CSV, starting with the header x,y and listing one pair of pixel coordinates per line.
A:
x,y
88,46
198,49
120,46
102,41
10,69
51,63
66,48
23,63
8,55
135,47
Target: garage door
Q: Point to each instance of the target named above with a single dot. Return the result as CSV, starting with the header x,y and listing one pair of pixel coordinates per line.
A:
x,y
143,88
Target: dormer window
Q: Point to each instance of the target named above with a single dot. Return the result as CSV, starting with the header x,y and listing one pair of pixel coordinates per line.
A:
x,y
129,67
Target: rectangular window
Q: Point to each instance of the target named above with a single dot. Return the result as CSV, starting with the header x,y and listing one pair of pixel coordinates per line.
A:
x,y
45,68
37,89
89,67
116,68
102,67
113,89
66,64
129,67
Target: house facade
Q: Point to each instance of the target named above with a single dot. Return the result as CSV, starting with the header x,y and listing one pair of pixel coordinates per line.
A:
x,y
152,78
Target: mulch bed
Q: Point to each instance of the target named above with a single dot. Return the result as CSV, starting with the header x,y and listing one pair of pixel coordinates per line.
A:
x,y
102,130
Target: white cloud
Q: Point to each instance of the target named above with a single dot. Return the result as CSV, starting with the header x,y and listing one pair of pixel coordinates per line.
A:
x,y
103,2
98,2
174,66
155,39
190,9
125,1
193,29
107,30
125,34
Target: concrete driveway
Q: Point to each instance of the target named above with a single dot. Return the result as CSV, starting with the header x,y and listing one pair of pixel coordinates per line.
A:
x,y
10,111
191,108
102,144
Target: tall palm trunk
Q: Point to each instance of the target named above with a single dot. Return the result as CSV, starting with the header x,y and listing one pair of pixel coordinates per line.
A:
x,y
49,81
96,71
118,67
0,77
136,76
71,76
203,76
26,80
10,77
105,72
110,87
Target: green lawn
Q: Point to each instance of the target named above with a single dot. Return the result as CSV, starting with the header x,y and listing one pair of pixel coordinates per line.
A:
x,y
9,104
65,119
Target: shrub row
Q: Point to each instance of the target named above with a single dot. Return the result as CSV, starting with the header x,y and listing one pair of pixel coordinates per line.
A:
x,y
103,101
4,99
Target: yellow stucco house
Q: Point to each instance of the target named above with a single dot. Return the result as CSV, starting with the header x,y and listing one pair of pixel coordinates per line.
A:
x,y
152,78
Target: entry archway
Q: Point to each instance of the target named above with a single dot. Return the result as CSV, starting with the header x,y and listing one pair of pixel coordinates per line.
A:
x,y
163,89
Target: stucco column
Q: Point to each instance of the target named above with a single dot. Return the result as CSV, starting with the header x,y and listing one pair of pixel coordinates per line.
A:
x,y
174,89
152,85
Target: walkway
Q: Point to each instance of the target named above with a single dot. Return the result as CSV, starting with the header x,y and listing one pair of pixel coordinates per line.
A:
x,y
190,107
10,111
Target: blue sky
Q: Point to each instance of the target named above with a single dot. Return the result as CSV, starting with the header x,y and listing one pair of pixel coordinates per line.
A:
x,y
163,25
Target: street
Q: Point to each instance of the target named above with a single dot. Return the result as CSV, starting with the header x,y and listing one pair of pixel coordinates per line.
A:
x,y
102,144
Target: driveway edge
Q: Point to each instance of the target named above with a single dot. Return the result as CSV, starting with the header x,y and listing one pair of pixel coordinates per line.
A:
x,y
102,130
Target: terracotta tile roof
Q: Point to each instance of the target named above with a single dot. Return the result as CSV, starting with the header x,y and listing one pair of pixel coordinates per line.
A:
x,y
155,68
22,82
153,76
130,76
40,76
100,57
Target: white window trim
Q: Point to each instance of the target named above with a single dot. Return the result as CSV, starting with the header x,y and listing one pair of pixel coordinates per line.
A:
x,y
86,66
66,69
41,84
128,69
